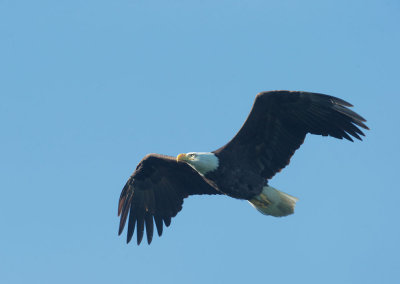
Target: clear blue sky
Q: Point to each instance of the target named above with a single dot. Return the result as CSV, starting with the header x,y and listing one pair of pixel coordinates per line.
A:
x,y
89,87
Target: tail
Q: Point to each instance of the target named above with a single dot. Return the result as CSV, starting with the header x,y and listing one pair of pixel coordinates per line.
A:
x,y
274,202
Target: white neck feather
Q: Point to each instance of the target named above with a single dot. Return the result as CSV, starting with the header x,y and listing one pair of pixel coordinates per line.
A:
x,y
204,162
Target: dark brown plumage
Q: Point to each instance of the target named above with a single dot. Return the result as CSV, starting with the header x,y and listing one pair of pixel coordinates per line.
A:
x,y
275,128
156,190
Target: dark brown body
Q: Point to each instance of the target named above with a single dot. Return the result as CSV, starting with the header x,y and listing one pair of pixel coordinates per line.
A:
x,y
236,182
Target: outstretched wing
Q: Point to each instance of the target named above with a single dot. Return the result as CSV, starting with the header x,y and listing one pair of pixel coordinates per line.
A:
x,y
156,190
278,123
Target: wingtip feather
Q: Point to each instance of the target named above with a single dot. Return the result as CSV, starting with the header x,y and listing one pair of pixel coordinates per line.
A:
x,y
120,205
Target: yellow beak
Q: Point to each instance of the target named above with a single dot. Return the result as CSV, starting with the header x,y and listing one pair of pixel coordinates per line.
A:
x,y
181,157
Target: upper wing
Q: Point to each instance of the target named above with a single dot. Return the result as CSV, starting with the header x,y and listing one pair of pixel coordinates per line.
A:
x,y
278,123
156,190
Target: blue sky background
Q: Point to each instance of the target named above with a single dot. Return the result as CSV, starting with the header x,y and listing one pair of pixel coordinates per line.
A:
x,y
89,87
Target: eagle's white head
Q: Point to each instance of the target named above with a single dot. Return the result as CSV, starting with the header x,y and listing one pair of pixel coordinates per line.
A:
x,y
203,162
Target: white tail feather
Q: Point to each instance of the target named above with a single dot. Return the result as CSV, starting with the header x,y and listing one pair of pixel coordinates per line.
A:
x,y
274,202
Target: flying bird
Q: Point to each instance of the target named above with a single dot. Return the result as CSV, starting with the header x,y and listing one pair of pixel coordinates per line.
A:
x,y
275,128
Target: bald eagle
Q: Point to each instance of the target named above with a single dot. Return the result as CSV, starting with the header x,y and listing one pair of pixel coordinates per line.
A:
x,y
275,128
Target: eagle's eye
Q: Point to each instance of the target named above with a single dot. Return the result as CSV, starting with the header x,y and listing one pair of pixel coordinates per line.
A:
x,y
192,155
